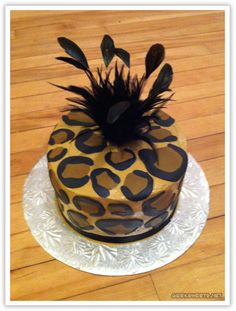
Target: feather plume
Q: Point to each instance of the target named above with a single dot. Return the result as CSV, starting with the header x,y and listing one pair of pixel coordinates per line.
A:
x,y
115,104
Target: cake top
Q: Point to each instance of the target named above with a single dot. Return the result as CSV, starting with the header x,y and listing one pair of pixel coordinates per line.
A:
x,y
91,165
113,100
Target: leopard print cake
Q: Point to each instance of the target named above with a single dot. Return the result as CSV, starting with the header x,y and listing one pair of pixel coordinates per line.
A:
x,y
117,161
116,194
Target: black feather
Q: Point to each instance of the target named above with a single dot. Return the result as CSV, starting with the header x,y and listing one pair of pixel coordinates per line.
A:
x,y
154,57
162,81
116,111
72,62
108,49
123,55
73,50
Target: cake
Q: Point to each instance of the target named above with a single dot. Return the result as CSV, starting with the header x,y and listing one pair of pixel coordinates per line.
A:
x,y
117,161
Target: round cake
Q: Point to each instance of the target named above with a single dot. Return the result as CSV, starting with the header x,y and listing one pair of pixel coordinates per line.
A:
x,y
115,194
113,183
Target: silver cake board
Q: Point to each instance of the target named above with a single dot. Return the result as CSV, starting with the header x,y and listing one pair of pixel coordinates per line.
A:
x,y
68,246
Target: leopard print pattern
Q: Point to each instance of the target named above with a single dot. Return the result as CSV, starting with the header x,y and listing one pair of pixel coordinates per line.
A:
x,y
116,194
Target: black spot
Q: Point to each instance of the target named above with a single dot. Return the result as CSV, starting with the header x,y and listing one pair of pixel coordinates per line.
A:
x,y
121,165
76,122
90,206
151,210
180,183
79,220
168,122
63,196
126,226
120,209
72,182
61,206
149,159
101,190
69,135
151,136
58,157
83,136
144,193
175,202
156,221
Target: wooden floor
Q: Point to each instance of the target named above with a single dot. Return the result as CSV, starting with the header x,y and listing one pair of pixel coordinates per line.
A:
x,y
194,42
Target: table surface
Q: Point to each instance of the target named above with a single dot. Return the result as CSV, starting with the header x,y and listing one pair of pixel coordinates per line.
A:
x,y
194,42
